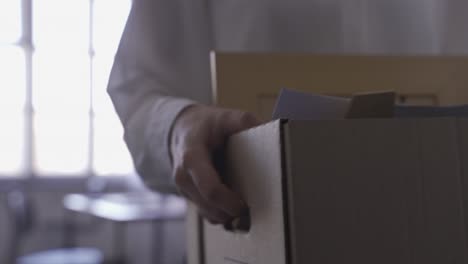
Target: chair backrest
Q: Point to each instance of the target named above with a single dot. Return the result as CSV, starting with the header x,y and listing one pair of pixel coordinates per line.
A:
x,y
96,185
21,215
21,211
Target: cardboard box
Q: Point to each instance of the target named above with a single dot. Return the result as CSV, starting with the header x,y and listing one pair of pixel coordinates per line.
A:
x,y
348,191
343,222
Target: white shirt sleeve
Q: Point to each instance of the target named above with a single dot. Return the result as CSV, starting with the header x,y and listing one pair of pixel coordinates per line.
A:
x,y
150,83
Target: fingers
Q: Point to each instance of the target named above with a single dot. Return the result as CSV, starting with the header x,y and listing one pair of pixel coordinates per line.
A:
x,y
213,190
199,181
188,189
196,133
235,121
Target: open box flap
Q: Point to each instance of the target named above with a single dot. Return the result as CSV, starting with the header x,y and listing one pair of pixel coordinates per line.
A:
x,y
297,105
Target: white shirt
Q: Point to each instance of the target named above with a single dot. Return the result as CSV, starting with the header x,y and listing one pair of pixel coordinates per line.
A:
x,y
162,64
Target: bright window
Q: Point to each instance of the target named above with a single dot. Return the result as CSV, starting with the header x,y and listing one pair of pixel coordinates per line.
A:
x,y
56,117
10,20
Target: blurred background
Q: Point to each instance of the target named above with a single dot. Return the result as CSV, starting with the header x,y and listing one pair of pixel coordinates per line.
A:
x,y
60,135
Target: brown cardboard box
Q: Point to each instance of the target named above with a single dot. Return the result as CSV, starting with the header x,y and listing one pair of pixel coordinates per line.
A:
x,y
348,191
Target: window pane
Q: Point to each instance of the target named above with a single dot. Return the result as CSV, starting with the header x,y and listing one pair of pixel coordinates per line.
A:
x,y
11,142
61,143
101,71
10,20
61,81
108,26
12,91
12,79
59,23
111,154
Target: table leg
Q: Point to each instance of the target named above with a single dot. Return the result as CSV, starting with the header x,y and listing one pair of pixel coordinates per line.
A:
x,y
158,241
120,243
69,234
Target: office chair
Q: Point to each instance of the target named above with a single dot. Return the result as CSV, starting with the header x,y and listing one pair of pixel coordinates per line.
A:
x,y
22,218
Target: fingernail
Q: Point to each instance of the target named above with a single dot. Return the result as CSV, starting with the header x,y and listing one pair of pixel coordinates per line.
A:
x,y
242,223
235,223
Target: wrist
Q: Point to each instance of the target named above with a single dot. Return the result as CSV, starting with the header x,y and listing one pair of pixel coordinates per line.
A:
x,y
178,126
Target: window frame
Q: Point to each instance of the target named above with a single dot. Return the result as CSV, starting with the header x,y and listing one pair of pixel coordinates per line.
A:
x,y
27,172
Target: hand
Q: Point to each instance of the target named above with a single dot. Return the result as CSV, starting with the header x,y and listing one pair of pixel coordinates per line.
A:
x,y
196,134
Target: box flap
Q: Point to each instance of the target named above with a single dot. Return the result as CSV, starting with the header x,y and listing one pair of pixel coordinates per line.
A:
x,y
372,105
308,106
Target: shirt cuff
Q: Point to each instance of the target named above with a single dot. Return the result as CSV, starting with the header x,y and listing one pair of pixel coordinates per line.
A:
x,y
163,115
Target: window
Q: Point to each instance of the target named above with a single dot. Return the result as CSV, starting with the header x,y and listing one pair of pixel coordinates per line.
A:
x,y
56,117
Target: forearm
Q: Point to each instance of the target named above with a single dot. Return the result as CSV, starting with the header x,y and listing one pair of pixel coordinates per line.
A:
x,y
156,74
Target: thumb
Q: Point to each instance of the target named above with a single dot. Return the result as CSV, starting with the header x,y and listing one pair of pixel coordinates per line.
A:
x,y
237,121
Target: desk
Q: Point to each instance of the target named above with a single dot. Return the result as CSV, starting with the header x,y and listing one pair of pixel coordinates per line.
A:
x,y
125,208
